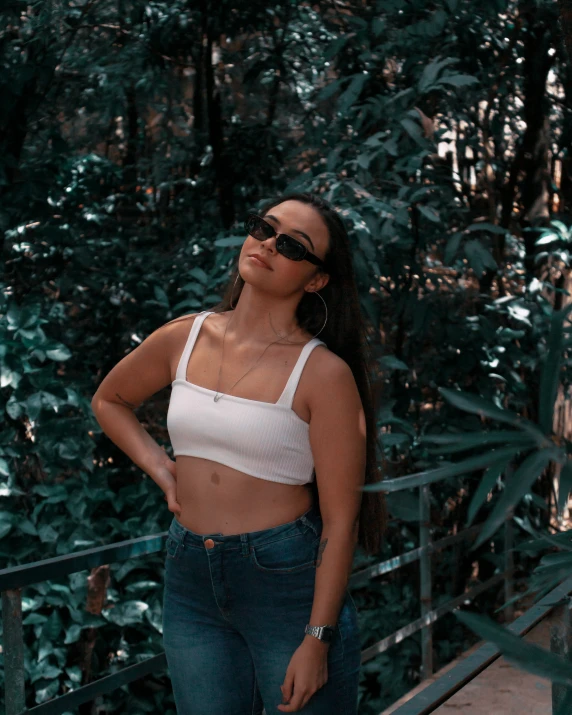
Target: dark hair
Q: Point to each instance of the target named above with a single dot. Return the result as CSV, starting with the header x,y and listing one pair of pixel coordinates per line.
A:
x,y
345,335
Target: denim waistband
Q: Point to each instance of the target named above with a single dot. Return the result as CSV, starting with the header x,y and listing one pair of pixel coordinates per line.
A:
x,y
311,519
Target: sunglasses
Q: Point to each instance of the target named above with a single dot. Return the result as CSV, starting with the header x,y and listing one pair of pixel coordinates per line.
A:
x,y
289,247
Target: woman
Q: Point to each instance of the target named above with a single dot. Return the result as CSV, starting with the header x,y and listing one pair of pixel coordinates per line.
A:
x,y
273,433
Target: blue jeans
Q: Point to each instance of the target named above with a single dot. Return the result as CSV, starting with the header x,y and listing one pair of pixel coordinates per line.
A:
x,y
234,611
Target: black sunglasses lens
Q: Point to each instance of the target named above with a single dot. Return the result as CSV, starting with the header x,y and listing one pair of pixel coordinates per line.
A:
x,y
258,228
290,248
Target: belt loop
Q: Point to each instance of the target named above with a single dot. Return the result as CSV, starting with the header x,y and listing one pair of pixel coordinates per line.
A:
x,y
244,544
308,522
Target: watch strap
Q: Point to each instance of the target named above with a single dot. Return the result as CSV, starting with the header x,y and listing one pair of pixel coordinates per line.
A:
x,y
322,633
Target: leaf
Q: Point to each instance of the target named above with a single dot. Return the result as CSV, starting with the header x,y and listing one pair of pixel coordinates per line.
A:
x,y
47,534
560,226
565,485
540,542
429,213
414,130
4,468
52,626
432,70
327,91
452,247
29,316
517,485
378,26
199,274
547,238
479,257
336,45
160,296
487,482
390,362
449,470
461,441
230,241
59,353
48,692
126,613
374,141
458,80
352,93
403,505
490,227
523,654
391,147
478,405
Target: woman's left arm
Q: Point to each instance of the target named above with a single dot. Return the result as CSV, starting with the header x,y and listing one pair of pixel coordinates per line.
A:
x,y
338,442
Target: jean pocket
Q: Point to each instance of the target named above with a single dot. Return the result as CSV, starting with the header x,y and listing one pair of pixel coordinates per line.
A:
x,y
289,555
172,547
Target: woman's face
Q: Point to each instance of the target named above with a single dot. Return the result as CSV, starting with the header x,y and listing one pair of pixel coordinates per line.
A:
x,y
303,223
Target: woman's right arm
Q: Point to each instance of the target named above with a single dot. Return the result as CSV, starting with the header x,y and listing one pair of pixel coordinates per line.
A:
x,y
138,376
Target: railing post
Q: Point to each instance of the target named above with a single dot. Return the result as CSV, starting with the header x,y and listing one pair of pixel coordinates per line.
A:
x,y
425,580
509,565
561,644
13,646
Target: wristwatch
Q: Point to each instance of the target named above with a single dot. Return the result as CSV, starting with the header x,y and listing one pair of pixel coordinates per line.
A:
x,y
322,633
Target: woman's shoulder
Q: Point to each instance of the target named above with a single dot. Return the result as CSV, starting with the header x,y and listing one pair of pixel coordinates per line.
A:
x,y
177,331
179,324
326,367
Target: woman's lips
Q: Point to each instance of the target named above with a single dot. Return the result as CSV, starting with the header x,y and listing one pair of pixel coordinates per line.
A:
x,y
259,263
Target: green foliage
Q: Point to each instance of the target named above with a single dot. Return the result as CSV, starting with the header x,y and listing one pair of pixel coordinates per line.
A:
x,y
126,168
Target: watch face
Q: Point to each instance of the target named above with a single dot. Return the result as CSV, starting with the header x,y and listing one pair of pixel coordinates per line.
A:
x,y
327,635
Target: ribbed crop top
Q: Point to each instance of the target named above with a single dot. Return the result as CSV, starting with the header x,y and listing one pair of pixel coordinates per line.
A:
x,y
264,439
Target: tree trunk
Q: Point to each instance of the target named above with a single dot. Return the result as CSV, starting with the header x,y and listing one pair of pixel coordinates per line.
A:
x,y
565,7
528,169
130,160
223,175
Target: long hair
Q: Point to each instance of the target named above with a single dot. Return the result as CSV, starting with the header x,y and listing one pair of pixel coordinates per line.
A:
x,y
345,335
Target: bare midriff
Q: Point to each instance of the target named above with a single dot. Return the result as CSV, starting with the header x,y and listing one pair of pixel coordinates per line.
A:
x,y
215,498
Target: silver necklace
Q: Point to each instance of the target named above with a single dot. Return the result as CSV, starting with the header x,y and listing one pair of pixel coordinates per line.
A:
x,y
218,396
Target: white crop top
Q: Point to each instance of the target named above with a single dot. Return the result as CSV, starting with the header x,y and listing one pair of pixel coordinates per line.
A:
x,y
263,439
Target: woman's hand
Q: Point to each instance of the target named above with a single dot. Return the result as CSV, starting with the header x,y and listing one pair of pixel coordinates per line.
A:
x,y
166,478
306,673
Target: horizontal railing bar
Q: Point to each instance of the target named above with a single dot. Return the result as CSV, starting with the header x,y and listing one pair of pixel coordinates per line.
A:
x,y
58,566
430,617
437,692
107,684
362,577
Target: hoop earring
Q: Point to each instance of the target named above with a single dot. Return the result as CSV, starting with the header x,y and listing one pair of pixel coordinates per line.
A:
x,y
315,292
232,292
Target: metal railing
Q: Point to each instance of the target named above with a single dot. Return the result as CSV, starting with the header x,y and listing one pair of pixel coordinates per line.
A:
x,y
13,579
423,554
436,693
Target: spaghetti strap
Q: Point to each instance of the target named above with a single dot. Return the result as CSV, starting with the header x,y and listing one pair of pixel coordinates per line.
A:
x,y
287,396
181,373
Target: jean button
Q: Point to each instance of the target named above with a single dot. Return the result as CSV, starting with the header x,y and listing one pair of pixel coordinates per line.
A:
x,y
209,543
